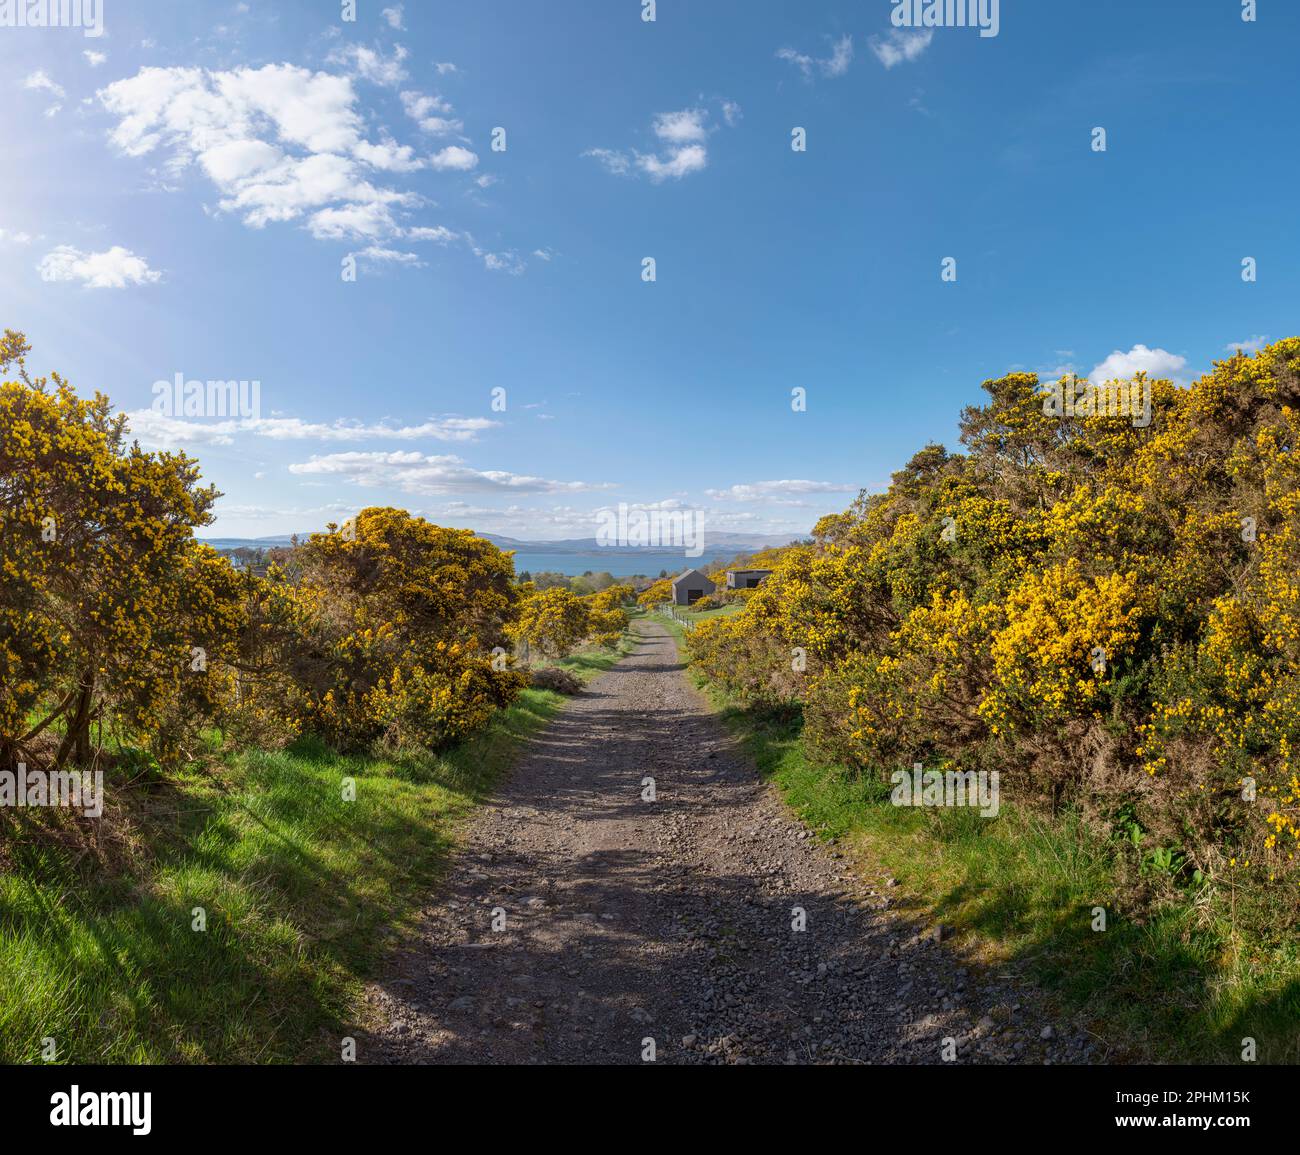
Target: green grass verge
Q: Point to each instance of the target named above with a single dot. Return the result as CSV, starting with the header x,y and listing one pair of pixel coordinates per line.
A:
x,y
302,892
677,625
1184,982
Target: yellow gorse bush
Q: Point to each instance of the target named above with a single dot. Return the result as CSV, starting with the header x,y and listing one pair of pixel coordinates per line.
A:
x,y
115,622
1107,613
551,622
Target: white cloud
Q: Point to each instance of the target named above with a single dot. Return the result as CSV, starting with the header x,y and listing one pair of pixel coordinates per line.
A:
x,y
1055,372
195,111
389,156
841,57
235,160
684,127
683,135
1155,363
267,513
114,268
431,113
518,521
1251,346
453,158
507,262
285,145
837,64
770,490
378,255
444,67
353,222
532,522
371,64
280,143
901,46
95,59
681,162
801,60
439,235
39,81
18,238
618,163
730,520
418,473
439,428
157,429
666,505
394,16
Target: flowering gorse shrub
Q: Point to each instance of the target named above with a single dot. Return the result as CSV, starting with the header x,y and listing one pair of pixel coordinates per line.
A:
x,y
656,593
109,611
399,644
1107,614
551,622
607,617
116,623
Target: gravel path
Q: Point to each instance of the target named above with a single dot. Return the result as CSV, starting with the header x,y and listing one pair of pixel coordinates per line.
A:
x,y
671,920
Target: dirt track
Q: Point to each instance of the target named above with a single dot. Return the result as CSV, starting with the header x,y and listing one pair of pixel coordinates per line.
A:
x,y
671,920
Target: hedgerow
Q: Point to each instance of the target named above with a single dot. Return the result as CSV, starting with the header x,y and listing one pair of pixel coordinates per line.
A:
x,y
117,626
1107,613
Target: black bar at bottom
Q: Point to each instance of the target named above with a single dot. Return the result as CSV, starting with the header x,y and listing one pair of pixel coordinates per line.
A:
x,y
340,1102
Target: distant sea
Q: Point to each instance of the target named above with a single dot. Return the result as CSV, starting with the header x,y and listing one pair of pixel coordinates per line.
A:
x,y
620,563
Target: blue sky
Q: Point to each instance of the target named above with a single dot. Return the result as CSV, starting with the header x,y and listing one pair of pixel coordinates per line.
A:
x,y
182,191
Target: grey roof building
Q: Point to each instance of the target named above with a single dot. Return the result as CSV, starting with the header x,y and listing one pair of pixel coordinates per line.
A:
x,y
690,586
746,579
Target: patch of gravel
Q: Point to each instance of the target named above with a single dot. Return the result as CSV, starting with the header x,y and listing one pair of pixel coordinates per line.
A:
x,y
627,919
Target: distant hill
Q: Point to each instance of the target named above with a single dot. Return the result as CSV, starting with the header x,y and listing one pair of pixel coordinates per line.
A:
x,y
221,544
714,543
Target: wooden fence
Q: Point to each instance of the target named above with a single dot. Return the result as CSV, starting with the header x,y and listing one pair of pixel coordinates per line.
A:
x,y
669,610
